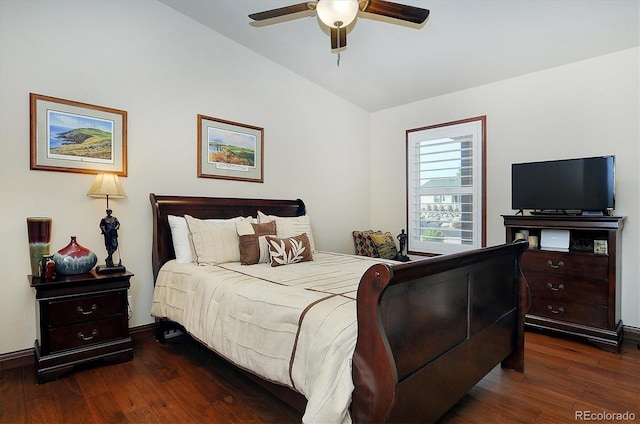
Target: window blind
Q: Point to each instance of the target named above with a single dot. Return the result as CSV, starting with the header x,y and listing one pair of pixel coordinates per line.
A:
x,y
442,179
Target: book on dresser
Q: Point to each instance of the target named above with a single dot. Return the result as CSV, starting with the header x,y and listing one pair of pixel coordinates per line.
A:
x,y
574,291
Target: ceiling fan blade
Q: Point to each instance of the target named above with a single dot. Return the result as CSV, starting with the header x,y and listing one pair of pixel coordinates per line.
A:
x,y
404,12
282,11
338,37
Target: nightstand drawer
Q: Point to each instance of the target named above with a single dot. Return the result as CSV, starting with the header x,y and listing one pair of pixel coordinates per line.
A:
x,y
581,265
88,333
76,310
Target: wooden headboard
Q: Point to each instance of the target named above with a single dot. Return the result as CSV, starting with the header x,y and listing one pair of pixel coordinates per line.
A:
x,y
207,208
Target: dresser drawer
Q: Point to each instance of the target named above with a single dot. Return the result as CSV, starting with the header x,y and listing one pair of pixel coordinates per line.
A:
x,y
568,288
82,309
84,334
581,265
575,312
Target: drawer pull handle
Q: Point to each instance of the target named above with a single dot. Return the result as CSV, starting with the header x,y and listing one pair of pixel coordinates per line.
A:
x,y
560,287
85,338
81,310
560,310
560,264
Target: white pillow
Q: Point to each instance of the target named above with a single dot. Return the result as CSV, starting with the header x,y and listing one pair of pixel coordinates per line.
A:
x,y
214,242
181,237
290,226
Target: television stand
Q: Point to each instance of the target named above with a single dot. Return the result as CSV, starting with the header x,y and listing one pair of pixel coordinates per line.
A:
x,y
576,292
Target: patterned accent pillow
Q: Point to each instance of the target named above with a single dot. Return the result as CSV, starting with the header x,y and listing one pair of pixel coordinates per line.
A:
x,y
292,250
385,245
253,242
363,243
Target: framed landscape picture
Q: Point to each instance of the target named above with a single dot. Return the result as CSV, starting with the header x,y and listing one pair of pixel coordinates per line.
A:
x,y
229,150
71,136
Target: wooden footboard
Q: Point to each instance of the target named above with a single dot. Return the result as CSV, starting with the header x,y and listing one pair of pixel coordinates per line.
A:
x,y
429,330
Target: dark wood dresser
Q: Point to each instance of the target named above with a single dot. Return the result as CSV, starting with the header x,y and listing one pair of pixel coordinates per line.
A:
x,y
574,292
80,318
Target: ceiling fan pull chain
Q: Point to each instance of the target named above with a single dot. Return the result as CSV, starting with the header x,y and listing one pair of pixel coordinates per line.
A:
x,y
338,63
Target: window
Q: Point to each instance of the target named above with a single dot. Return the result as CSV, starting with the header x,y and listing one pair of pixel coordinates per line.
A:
x,y
445,187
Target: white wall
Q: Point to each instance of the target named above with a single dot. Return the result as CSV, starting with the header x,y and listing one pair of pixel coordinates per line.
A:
x,y
583,109
163,69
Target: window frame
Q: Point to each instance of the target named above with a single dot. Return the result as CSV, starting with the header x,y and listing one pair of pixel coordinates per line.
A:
x,y
479,201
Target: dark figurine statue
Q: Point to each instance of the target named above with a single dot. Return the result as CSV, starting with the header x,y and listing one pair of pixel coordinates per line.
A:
x,y
402,240
109,226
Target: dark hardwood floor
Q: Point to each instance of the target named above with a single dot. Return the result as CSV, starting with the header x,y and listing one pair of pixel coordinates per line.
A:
x,y
182,383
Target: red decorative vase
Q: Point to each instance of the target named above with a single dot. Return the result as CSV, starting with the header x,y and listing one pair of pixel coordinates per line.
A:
x,y
74,259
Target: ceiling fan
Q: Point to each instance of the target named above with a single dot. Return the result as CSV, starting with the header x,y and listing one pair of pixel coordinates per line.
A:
x,y
338,14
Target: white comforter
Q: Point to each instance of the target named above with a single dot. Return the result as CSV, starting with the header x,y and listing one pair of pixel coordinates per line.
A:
x,y
294,324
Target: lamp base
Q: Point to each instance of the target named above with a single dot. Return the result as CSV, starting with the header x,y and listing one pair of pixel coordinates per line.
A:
x,y
103,269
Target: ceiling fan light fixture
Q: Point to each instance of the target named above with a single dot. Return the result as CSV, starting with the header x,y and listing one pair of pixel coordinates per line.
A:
x,y
337,13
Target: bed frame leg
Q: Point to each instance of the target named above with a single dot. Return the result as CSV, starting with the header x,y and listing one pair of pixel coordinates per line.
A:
x,y
160,329
515,361
167,331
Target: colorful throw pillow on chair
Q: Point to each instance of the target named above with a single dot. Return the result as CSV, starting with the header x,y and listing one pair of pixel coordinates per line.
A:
x,y
364,245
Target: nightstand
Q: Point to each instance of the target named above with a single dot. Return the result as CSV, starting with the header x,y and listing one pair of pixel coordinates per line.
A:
x,y
81,318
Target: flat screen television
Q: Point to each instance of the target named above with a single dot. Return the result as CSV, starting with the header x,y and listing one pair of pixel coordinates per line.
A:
x,y
576,186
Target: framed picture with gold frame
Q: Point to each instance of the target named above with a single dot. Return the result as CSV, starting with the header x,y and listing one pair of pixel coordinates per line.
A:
x,y
71,136
230,150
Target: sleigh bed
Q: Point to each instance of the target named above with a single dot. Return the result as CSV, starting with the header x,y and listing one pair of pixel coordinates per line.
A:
x,y
424,332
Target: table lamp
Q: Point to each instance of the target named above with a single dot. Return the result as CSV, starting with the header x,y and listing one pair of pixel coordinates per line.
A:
x,y
108,185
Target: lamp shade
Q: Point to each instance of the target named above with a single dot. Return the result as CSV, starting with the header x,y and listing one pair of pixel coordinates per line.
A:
x,y
106,185
337,13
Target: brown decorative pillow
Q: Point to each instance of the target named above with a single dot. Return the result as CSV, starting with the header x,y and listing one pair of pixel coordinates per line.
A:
x,y
292,250
363,244
385,245
253,245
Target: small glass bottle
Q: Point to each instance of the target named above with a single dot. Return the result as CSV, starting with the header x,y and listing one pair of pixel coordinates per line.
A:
x,y
47,267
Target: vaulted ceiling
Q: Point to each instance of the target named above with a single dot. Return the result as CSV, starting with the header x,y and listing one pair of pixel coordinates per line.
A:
x,y
463,44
